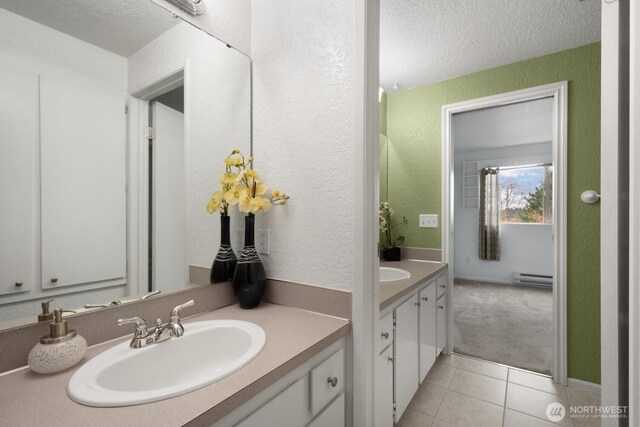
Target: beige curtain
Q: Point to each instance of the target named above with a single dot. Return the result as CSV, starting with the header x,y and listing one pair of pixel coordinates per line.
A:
x,y
489,215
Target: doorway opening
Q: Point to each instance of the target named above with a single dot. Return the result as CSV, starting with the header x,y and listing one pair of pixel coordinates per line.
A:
x,y
158,183
167,192
503,224
504,212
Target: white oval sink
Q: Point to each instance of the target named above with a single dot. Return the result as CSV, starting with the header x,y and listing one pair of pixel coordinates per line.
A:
x,y
207,352
389,274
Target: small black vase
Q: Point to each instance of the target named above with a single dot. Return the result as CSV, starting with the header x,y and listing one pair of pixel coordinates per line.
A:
x,y
225,261
391,254
249,280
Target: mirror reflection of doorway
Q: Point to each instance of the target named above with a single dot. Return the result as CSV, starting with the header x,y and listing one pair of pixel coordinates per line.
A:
x,y
167,192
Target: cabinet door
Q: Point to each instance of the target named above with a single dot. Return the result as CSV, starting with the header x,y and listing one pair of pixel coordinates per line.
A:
x,y
83,173
18,184
406,354
332,416
288,409
441,324
427,329
383,392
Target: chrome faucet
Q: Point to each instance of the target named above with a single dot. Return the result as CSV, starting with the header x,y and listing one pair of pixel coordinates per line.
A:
x,y
160,332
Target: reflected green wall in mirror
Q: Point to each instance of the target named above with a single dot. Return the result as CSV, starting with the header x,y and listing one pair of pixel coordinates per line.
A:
x,y
383,148
414,173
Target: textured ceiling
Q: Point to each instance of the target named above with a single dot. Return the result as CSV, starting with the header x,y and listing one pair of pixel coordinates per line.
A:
x,y
423,42
514,124
120,26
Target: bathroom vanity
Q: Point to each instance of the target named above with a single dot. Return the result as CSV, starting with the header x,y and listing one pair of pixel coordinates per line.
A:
x,y
412,334
297,379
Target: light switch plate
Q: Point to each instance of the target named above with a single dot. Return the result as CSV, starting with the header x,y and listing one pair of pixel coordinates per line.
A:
x,y
238,242
262,244
428,220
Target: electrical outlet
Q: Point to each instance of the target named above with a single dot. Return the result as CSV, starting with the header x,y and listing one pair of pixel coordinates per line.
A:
x,y
262,245
238,242
428,220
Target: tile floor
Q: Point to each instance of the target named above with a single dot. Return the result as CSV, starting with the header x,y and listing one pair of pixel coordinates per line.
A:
x,y
467,392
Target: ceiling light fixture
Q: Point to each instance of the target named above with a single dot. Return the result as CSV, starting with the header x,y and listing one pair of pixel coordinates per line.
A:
x,y
192,7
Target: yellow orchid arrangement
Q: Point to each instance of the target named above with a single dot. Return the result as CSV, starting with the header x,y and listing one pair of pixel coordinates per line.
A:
x,y
241,186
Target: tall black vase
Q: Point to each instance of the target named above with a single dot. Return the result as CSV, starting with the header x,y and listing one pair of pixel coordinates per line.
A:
x,y
225,261
249,280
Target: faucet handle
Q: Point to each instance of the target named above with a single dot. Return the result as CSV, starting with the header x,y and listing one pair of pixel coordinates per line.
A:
x,y
141,325
175,313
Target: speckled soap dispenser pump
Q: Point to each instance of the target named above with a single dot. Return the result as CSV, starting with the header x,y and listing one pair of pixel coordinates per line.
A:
x,y
59,350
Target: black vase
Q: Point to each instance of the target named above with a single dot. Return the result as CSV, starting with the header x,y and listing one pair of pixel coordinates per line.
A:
x,y
225,261
391,254
249,280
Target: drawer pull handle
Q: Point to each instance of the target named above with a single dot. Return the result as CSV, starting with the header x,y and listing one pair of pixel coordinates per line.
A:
x,y
18,284
441,307
391,359
385,335
425,298
54,280
443,286
333,381
417,304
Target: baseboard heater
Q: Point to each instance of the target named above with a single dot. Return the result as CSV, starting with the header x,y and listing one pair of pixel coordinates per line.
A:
x,y
536,280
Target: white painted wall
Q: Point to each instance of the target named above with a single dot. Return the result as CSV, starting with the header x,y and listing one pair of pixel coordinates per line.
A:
x,y
304,142
228,20
217,119
520,123
525,248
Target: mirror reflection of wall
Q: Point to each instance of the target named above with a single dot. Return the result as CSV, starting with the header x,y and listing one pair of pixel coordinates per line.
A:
x,y
384,141
86,203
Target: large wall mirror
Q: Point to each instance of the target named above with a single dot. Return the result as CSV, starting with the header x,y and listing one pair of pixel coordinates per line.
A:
x,y
115,118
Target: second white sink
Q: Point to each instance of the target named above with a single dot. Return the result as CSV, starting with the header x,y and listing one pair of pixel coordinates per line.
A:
x,y
207,352
389,274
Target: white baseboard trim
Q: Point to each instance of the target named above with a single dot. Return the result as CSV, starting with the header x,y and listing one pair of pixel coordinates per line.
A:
x,y
482,279
585,385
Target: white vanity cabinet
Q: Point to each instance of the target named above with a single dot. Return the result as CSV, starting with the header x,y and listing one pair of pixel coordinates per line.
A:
x,y
441,324
419,336
406,349
427,329
383,393
315,399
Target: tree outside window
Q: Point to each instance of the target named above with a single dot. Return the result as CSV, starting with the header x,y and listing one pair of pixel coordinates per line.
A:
x,y
526,194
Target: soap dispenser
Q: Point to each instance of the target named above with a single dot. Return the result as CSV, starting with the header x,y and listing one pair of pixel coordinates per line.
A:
x,y
59,350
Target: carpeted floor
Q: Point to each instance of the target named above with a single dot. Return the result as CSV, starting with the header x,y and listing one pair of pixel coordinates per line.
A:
x,y
507,324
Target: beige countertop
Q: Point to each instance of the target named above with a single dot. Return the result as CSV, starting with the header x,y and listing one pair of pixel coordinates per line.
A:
x,y
293,337
421,271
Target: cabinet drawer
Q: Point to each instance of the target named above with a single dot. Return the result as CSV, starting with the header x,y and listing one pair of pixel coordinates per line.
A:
x,y
441,285
323,390
287,409
385,333
333,416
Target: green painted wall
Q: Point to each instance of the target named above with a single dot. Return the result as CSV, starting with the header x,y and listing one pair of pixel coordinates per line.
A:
x,y
414,147
383,148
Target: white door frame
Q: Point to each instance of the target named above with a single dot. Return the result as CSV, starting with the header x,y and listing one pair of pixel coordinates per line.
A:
x,y
138,174
559,93
634,217
366,305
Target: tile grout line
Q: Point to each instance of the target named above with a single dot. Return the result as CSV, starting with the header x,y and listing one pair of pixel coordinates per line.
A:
x,y
504,403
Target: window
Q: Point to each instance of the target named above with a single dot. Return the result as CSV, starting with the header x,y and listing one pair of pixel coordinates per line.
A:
x,y
526,194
